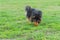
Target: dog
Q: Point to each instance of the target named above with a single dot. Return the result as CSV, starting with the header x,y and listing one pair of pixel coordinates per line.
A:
x,y
33,15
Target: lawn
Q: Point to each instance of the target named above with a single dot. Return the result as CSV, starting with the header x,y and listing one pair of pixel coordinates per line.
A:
x,y
14,26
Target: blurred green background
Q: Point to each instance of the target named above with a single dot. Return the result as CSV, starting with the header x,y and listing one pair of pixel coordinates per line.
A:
x,y
13,23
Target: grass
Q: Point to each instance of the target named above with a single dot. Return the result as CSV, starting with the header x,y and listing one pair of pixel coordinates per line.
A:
x,y
13,24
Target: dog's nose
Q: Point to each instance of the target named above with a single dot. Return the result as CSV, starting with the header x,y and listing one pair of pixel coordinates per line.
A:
x,y
36,23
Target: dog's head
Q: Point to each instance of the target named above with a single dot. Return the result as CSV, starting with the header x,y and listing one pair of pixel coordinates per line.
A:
x,y
28,8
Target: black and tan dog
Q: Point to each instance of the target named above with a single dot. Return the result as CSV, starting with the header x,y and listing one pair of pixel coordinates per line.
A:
x,y
33,15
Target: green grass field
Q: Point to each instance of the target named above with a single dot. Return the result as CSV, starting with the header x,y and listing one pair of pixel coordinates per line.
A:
x,y
14,26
